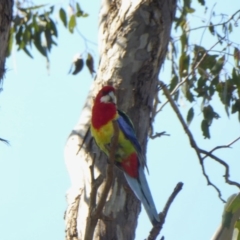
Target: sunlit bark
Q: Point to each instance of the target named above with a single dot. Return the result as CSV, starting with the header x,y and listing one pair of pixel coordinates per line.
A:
x,y
133,38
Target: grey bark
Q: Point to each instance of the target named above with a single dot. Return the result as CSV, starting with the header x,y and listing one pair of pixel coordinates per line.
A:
x,y
231,215
5,25
133,37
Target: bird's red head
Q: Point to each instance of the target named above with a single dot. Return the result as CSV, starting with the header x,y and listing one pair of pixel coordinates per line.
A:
x,y
106,95
104,108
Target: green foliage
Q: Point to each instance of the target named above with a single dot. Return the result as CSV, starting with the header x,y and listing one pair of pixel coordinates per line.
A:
x,y
201,72
90,64
208,115
72,23
78,64
34,26
30,27
190,115
236,55
63,16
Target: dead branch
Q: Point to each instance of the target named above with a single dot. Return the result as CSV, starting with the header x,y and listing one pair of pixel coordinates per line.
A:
x,y
157,228
95,210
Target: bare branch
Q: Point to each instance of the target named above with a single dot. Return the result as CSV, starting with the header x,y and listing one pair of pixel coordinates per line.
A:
x,y
159,135
217,159
176,190
191,138
95,211
157,228
219,147
185,126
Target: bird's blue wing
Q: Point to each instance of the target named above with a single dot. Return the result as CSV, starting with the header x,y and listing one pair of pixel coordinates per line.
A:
x,y
127,128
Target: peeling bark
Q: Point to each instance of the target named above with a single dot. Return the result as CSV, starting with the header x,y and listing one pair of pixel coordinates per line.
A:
x,y
5,24
133,42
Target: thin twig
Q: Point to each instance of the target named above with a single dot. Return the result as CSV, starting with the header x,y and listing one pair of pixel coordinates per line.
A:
x,y
85,39
220,161
223,146
215,25
177,189
159,135
204,30
5,141
221,52
157,228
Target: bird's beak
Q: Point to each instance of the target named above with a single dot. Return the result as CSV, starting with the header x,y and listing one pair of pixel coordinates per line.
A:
x,y
109,98
112,98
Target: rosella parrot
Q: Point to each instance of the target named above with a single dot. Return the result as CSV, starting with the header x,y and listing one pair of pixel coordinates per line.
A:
x,y
128,157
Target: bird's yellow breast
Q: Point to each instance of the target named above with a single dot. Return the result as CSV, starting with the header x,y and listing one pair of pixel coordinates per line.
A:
x,y
103,137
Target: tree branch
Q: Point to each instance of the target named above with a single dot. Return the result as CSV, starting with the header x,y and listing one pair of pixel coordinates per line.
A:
x,y
219,147
191,138
95,210
159,135
157,228
220,161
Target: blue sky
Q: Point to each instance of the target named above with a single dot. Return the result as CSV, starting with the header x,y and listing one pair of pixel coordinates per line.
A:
x,y
37,112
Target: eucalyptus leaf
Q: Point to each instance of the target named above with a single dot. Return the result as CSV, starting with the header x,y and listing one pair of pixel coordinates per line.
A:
x,y
72,23
190,115
63,16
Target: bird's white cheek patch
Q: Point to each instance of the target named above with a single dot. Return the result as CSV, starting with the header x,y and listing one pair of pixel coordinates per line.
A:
x,y
113,97
105,99
109,98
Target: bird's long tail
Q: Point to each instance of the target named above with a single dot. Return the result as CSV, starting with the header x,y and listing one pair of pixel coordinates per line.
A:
x,y
140,187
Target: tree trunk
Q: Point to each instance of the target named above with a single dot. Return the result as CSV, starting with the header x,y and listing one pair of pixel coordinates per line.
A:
x,y
134,36
5,24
